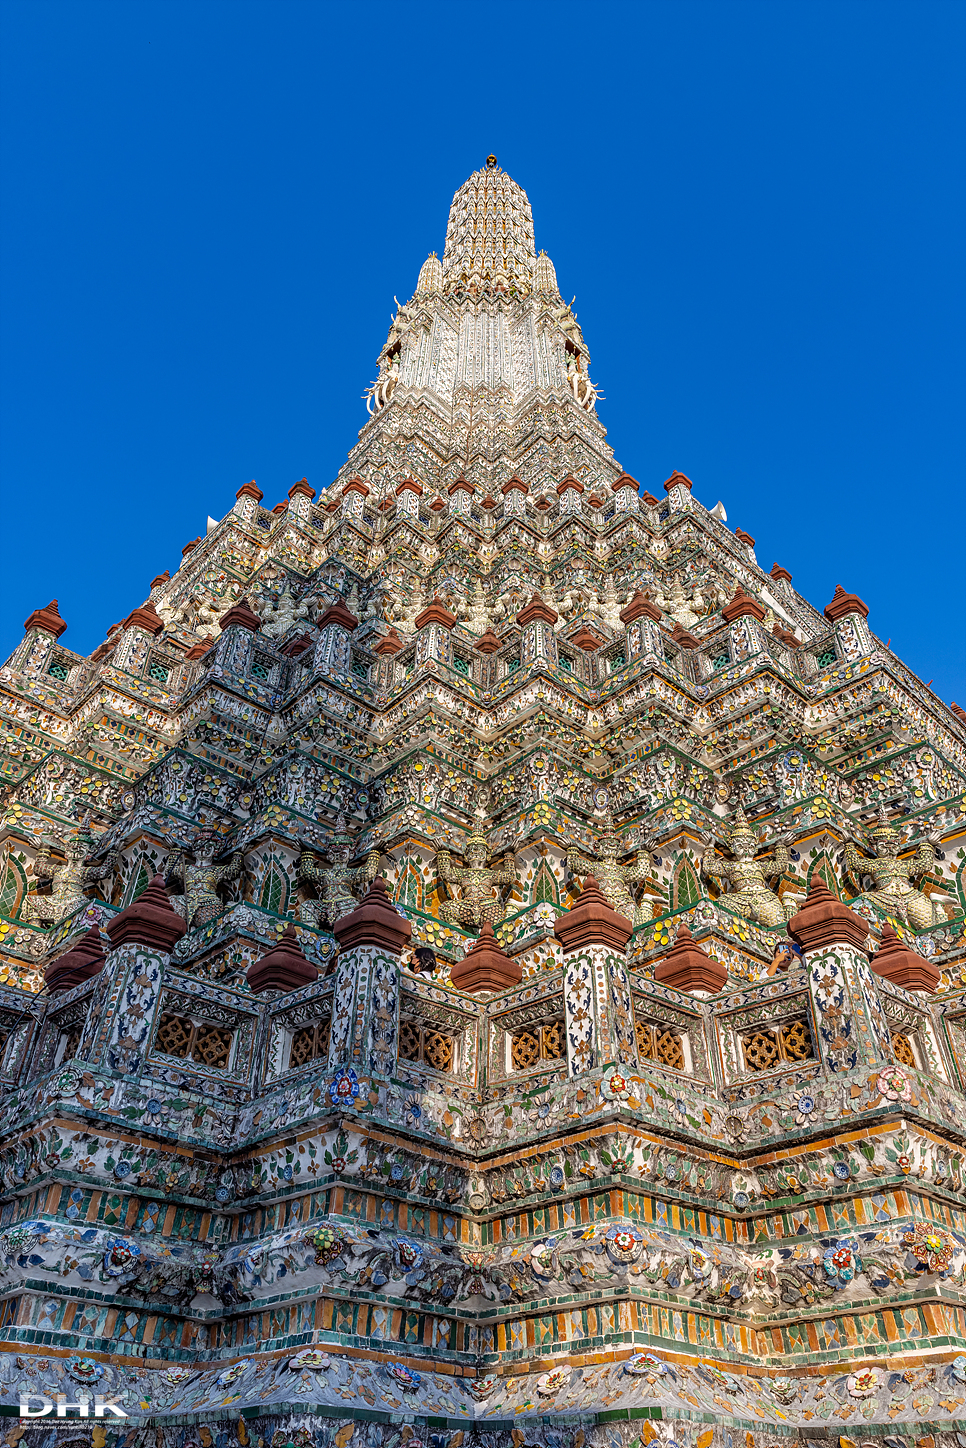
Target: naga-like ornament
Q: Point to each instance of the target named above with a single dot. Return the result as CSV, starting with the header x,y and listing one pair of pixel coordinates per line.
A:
x,y
74,881
750,895
613,877
202,881
477,904
337,885
894,893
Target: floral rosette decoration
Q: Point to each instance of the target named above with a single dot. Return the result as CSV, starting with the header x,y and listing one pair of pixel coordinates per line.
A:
x,y
615,1087
623,1244
85,1369
121,1257
408,1260
232,1374
932,1247
178,1374
549,1384
842,1261
894,1085
784,1391
312,1358
645,1365
404,1377
344,1087
863,1383
700,1264
543,1259
328,1243
482,1388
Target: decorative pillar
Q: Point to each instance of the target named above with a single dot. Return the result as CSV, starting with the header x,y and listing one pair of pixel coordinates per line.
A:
x,y
365,1002
354,495
461,497
333,652
387,647
852,1027
678,489
745,634
569,492
783,581
120,1024
538,642
597,997
233,651
642,634
41,631
514,498
434,644
749,544
300,497
625,491
247,499
138,629
408,495
848,614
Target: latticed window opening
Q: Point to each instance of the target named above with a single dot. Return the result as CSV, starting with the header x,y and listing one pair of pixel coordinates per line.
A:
x,y
537,1043
159,672
826,658
360,668
180,1036
903,1049
723,661
310,1043
261,667
421,1042
59,670
71,1039
566,663
660,1044
461,665
766,1048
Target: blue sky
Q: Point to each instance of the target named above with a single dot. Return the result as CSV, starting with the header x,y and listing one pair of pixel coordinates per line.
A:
x,y
207,210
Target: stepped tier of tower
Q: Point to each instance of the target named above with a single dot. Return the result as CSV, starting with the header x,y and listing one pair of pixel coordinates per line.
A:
x,y
476,946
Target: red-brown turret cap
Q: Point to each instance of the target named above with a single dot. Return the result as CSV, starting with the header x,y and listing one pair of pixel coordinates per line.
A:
x,y
375,921
355,485
485,967
151,921
650,500
959,713
537,609
624,481
743,606
844,603
436,612
285,968
640,606
145,618
687,967
678,478
592,921
46,618
340,615
570,483
824,920
198,650
893,961
487,643
744,537
85,959
683,638
164,577
390,643
241,615
302,486
462,485
250,490
517,483
188,547
777,571
586,639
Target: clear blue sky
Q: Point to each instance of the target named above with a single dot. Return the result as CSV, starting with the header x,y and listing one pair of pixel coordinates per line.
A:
x,y
208,207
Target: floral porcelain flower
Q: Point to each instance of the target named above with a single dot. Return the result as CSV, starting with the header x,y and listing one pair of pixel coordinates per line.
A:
x,y
550,1383
344,1087
863,1383
894,1085
310,1357
842,1261
623,1244
804,1109
930,1245
408,1380
645,1365
614,1087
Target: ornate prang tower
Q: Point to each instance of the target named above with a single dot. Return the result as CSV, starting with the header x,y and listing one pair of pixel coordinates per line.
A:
x,y
482,959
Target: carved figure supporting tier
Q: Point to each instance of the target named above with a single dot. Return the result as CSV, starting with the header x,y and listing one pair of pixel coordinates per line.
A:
x,y
477,904
894,891
338,886
74,881
202,881
280,614
613,877
750,894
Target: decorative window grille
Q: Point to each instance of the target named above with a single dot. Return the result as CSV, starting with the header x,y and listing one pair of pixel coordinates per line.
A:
x,y
661,1044
159,672
180,1036
419,1042
566,663
512,664
69,1042
687,887
273,891
766,1048
545,890
141,883
261,667
826,658
904,1049
616,661
311,1043
723,661
461,665
360,668
537,1043
664,514
59,670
